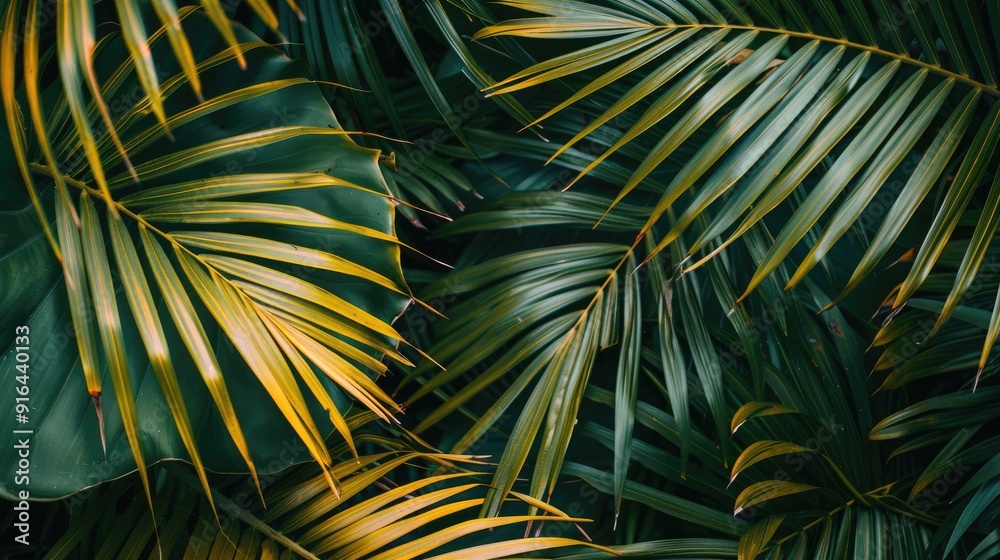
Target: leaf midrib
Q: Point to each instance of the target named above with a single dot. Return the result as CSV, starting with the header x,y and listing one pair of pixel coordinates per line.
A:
x,y
84,187
990,90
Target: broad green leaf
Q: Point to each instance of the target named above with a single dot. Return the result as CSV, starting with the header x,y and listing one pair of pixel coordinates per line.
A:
x,y
158,313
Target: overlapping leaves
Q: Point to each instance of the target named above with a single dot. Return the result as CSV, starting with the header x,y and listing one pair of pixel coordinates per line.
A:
x,y
237,270
560,313
732,118
410,93
388,507
837,92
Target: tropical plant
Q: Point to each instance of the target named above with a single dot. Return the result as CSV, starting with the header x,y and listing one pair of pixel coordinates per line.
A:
x,y
669,224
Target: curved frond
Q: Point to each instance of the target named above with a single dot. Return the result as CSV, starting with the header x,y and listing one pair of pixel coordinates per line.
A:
x,y
388,507
812,98
254,265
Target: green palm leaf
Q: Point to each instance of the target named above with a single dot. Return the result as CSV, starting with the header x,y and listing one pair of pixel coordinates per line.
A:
x,y
755,165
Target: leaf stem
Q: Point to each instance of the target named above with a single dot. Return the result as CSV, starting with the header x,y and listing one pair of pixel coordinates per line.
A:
x,y
962,78
44,170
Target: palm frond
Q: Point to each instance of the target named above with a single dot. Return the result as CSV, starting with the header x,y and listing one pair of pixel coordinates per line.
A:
x,y
234,266
388,507
800,95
